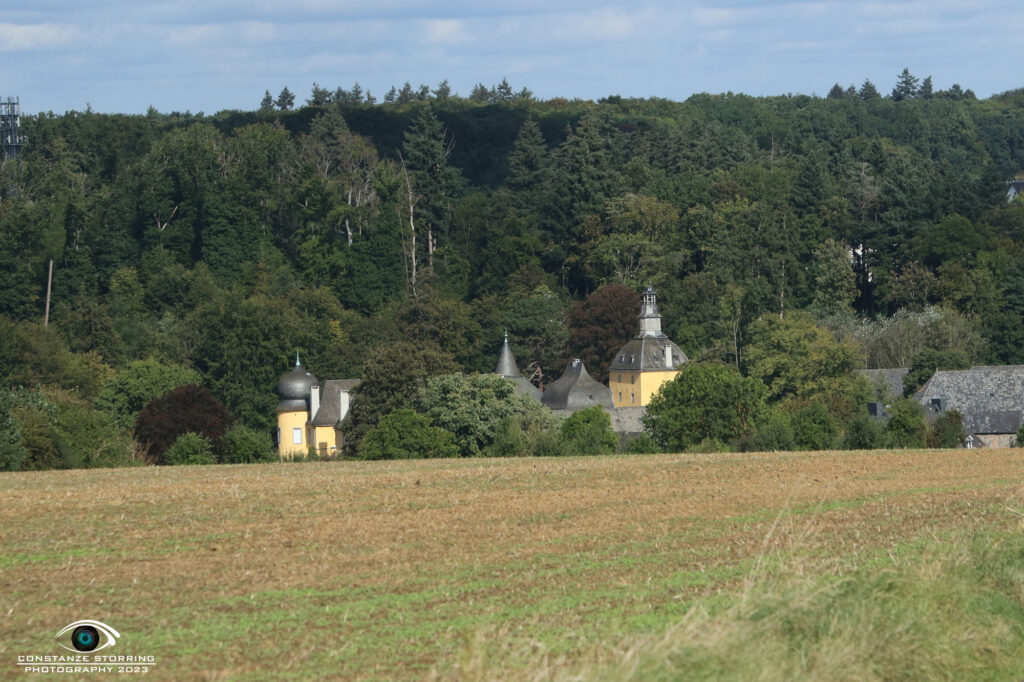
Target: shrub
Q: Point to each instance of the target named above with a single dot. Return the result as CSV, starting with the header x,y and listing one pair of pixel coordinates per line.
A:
x,y
863,433
906,427
814,428
773,435
137,384
644,444
242,445
186,409
589,432
190,448
549,444
704,402
56,430
472,407
405,434
708,446
947,431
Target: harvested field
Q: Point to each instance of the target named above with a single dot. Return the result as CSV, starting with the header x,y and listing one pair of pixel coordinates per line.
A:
x,y
405,570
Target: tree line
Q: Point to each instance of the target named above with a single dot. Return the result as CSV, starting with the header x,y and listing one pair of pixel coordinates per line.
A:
x,y
220,244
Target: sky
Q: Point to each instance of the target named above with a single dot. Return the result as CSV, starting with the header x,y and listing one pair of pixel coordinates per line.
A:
x,y
209,55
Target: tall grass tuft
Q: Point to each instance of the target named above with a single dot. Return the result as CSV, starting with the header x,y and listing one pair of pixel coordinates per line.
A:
x,y
937,609
949,610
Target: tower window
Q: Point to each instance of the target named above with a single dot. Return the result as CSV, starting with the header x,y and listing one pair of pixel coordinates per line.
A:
x,y
632,397
297,436
620,395
632,378
620,378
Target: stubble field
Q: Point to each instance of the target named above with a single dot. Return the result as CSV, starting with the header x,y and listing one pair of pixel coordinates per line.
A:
x,y
461,569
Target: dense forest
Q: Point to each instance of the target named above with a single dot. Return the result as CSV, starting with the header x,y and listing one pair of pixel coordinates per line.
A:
x,y
872,229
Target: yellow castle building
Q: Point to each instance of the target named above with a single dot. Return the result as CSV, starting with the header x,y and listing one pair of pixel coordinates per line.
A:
x,y
309,415
646,362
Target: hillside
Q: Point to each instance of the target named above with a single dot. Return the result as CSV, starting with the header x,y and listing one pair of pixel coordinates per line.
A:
x,y
219,245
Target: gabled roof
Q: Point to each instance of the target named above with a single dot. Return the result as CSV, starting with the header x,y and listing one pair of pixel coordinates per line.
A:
x,y
891,380
576,390
329,413
990,399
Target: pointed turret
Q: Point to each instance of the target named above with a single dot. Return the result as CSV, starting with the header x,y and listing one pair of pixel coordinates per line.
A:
x,y
507,368
507,362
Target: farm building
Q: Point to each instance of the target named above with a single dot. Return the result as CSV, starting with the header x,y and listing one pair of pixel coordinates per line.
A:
x,y
990,400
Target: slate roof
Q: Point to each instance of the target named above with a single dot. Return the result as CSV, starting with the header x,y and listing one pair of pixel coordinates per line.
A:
x,y
507,362
293,389
576,390
330,401
647,353
507,368
991,399
1016,187
891,380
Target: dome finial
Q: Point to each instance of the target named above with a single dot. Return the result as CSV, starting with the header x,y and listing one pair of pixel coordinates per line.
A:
x,y
506,336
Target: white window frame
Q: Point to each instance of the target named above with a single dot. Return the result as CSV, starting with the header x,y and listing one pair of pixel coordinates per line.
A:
x,y
297,435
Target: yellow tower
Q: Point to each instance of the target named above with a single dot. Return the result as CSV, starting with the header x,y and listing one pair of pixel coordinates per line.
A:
x,y
646,362
293,411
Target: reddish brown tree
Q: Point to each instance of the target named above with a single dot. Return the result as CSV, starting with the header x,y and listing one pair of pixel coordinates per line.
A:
x,y
601,324
186,409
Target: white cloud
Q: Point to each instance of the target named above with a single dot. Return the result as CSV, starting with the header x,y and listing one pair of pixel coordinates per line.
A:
x,y
606,24
445,31
21,37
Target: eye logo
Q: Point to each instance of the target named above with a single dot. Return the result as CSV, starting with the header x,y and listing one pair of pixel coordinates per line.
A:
x,y
86,635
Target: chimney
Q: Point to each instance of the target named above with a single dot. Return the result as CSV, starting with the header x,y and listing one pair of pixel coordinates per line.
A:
x,y
314,401
342,404
668,356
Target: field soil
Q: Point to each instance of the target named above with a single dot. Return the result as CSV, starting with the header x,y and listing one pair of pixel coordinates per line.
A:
x,y
411,570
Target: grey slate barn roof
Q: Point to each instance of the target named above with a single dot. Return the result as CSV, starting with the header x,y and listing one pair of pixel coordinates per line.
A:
x,y
990,399
329,413
576,390
891,380
507,368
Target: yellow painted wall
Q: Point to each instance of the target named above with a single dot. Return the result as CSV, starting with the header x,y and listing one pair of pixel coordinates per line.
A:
x,y
624,386
286,421
650,382
324,434
635,389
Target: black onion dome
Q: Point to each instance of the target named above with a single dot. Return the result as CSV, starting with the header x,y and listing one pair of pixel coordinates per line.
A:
x,y
294,387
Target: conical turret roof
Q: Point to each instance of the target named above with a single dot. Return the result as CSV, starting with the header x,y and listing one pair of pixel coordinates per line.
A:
x,y
507,362
507,368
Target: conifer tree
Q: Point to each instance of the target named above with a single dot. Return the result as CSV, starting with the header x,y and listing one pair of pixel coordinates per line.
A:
x,y
268,102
